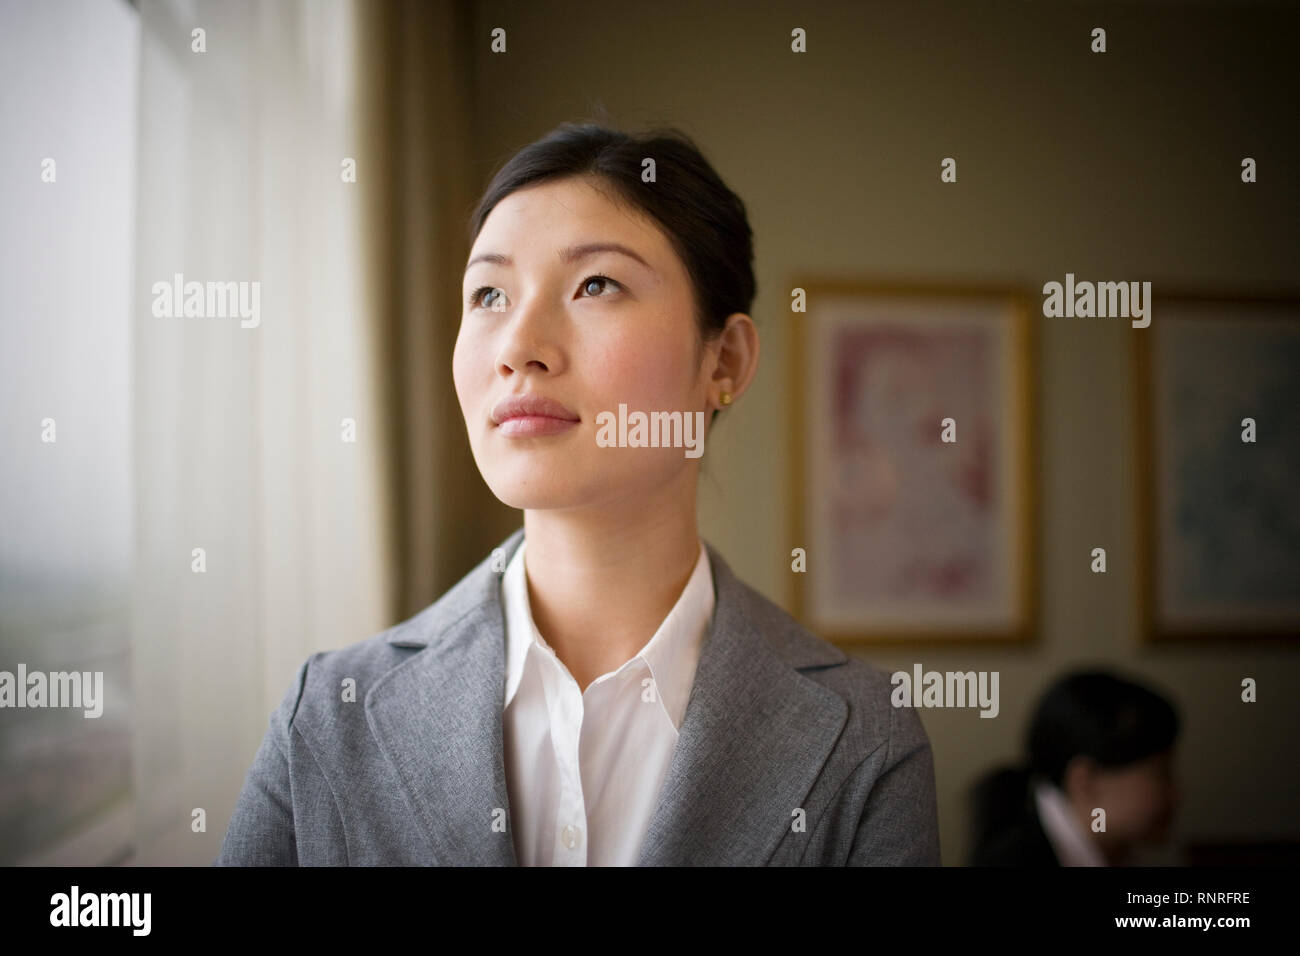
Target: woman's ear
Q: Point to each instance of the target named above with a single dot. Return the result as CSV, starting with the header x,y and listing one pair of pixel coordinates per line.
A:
x,y
1080,779
737,356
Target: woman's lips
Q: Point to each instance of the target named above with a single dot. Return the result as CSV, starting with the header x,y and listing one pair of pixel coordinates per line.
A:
x,y
531,405
531,426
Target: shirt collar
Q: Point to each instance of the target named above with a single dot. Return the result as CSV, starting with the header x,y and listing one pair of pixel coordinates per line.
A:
x,y
1073,844
672,653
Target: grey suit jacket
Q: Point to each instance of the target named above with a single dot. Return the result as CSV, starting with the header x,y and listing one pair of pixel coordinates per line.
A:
x,y
413,773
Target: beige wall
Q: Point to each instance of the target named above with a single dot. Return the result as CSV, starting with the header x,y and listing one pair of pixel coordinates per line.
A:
x,y
1122,165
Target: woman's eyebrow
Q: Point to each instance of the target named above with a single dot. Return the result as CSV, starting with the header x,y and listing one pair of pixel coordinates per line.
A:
x,y
571,254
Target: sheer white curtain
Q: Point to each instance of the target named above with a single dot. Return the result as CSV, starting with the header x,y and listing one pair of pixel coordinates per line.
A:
x,y
239,435
67,119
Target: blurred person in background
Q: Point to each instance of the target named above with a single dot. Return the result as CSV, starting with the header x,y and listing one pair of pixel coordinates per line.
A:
x,y
1096,741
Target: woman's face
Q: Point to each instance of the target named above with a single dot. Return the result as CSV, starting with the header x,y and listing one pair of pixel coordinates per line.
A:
x,y
546,326
1139,798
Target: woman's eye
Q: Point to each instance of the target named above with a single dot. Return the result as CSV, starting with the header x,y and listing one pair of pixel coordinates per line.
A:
x,y
492,298
495,303
598,281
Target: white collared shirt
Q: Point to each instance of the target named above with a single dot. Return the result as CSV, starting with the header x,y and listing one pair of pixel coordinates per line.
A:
x,y
1071,842
584,768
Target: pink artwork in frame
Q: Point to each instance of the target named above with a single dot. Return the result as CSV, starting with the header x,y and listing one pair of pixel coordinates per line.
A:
x,y
911,478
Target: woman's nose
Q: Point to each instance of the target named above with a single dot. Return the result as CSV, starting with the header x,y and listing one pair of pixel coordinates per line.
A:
x,y
528,337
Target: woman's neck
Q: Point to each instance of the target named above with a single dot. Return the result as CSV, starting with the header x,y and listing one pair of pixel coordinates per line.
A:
x,y
601,581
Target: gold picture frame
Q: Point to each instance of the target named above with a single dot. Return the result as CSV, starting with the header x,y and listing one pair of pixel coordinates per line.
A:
x,y
955,339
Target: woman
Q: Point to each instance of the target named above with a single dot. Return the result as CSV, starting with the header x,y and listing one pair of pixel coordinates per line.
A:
x,y
601,689
1096,742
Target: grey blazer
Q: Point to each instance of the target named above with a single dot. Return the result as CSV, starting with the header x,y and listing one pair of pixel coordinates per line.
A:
x,y
413,773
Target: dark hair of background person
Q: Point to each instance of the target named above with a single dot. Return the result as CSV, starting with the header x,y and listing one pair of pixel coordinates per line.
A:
x,y
704,220
1095,714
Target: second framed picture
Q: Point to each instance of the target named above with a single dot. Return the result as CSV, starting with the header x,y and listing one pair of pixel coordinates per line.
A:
x,y
911,431
1218,386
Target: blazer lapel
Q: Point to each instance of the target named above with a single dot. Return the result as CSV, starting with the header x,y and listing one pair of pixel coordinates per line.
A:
x,y
437,718
755,735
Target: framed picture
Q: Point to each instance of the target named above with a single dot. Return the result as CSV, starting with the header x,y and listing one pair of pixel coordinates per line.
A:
x,y
911,424
1218,393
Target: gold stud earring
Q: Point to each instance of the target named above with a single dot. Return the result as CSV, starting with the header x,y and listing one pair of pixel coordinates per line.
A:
x,y
725,398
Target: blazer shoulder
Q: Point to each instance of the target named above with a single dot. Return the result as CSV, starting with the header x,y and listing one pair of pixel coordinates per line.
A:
x,y
326,678
865,688
785,635
873,718
364,660
322,675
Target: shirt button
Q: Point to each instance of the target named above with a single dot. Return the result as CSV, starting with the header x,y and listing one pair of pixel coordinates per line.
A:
x,y
569,835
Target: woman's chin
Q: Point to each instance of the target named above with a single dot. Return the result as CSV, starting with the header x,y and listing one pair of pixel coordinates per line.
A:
x,y
535,494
